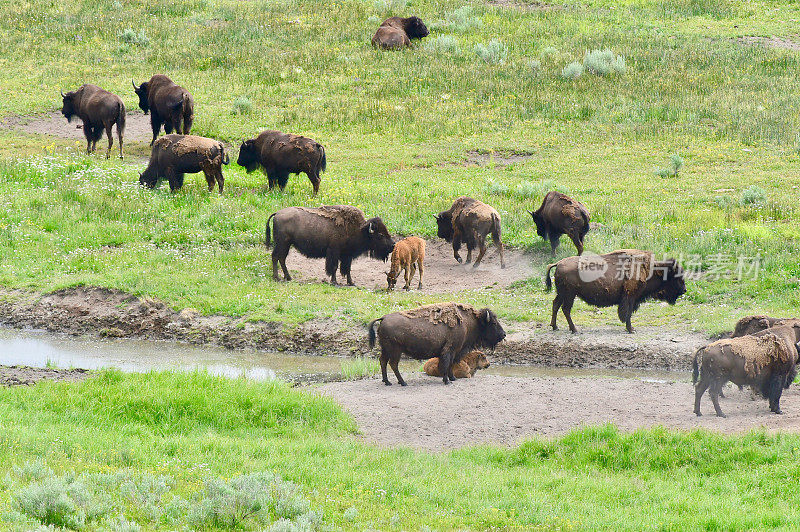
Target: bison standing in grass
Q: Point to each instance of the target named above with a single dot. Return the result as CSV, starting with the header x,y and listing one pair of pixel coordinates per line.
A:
x,y
558,215
99,110
280,154
464,369
625,278
469,220
338,233
175,155
169,105
395,33
448,331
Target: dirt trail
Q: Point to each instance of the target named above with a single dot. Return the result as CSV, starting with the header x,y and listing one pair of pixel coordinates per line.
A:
x,y
24,375
442,272
789,42
489,408
137,127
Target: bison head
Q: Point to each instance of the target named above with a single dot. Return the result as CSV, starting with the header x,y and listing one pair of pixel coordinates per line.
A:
x,y
444,221
391,279
141,92
415,28
491,332
673,285
541,226
68,107
148,178
483,362
379,243
248,156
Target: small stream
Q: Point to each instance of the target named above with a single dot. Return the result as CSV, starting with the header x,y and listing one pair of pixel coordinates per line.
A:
x,y
43,349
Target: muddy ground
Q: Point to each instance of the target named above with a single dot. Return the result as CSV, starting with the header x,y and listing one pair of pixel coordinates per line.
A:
x,y
137,127
25,376
493,409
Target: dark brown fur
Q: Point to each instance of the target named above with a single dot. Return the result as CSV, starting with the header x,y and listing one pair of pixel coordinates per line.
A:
x,y
395,33
280,154
175,155
558,215
169,105
469,220
420,337
338,233
463,369
99,110
665,284
753,324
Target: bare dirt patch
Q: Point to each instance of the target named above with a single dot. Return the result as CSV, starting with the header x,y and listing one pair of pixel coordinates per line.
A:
x,y
496,158
137,127
442,272
25,376
524,6
493,409
789,42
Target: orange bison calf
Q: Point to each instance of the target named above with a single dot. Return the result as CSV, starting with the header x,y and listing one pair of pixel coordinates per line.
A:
x,y
464,369
408,254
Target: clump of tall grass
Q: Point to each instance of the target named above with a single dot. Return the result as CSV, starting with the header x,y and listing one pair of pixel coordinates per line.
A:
x,y
136,38
753,195
462,20
572,70
524,190
242,106
672,170
357,368
603,62
493,52
535,67
390,5
443,44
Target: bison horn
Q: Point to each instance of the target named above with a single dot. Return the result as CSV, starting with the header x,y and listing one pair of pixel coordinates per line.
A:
x,y
530,212
62,92
134,85
370,228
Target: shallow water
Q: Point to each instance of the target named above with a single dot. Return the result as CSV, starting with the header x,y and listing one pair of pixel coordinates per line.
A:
x,y
42,349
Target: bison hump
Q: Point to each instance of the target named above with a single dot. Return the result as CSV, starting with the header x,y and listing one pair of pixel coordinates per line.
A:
x,y
758,352
449,314
341,215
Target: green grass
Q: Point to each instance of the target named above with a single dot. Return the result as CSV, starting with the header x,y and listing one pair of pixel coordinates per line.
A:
x,y
184,431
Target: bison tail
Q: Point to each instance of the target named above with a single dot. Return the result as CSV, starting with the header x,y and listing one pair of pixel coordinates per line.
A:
x,y
585,228
120,118
547,284
696,366
323,162
268,238
225,158
372,332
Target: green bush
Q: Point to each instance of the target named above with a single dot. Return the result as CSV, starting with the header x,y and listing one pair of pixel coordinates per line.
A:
x,y
443,44
572,70
56,501
603,62
462,20
493,53
753,195
137,38
675,165
242,106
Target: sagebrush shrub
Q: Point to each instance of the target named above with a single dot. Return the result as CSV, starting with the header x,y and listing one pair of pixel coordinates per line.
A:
x,y
242,106
462,19
137,38
32,470
572,70
753,195
494,52
443,44
675,165
603,62
56,501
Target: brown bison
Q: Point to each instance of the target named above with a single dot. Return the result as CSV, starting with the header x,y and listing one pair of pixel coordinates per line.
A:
x,y
469,220
753,324
280,154
339,233
558,215
396,32
408,254
168,104
625,277
464,369
174,155
448,331
99,110
765,361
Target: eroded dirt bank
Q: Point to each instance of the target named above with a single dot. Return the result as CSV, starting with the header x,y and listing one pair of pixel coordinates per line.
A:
x,y
25,376
112,313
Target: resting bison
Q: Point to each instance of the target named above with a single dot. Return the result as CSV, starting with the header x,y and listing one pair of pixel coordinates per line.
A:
x,y
408,254
280,154
339,233
396,32
464,369
174,155
99,110
558,215
168,104
448,331
766,362
470,220
753,324
625,277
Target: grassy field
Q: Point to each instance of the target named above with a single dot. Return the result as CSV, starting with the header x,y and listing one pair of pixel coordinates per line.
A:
x,y
162,450
397,128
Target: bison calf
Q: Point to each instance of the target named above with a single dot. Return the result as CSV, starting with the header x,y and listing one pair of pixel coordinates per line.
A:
x,y
396,32
175,155
625,278
464,369
169,105
558,215
448,331
408,254
280,154
99,110
469,220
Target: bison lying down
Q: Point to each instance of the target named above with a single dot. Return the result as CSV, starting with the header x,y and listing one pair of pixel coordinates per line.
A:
x,y
765,361
469,220
447,331
408,254
168,104
464,369
625,278
396,32
753,324
280,154
175,155
561,215
99,110
339,233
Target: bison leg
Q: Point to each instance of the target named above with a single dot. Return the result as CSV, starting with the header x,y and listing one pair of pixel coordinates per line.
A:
x,y
393,362
210,178
446,365
775,391
625,311
714,393
279,253
119,138
155,124
578,241
331,263
188,119
391,354
409,272
481,250
421,271
315,181
110,140
220,180
566,308
556,305
699,390
457,245
283,179
345,264
554,241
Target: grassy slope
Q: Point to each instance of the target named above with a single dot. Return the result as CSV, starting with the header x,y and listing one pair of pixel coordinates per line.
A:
x,y
392,123
192,427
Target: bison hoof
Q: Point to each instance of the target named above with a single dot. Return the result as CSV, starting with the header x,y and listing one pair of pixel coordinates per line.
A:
x,y
403,383
476,264
721,415
458,259
419,287
778,411
387,383
698,414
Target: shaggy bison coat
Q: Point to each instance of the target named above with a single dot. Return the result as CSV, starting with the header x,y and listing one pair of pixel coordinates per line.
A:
x,y
625,278
280,154
753,324
766,361
99,110
339,233
561,215
396,32
169,105
463,369
448,331
175,155
408,255
469,220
